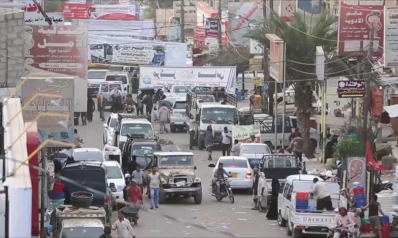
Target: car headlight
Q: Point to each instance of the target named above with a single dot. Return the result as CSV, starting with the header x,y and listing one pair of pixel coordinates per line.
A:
x,y
119,189
197,180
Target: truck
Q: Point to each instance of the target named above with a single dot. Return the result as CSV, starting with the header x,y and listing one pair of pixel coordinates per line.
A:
x,y
267,130
69,222
308,221
203,105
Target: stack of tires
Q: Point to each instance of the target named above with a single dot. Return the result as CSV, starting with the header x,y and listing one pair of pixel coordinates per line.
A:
x,y
302,201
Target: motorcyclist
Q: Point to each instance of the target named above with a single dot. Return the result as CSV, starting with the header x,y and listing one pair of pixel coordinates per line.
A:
x,y
218,176
116,96
342,221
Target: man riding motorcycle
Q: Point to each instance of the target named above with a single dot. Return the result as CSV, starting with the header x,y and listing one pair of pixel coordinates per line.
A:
x,y
342,221
218,177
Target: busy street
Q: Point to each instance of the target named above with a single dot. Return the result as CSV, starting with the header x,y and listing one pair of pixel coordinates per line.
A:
x,y
182,217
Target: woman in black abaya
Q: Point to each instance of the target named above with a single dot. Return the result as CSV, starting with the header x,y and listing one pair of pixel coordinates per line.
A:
x,y
273,209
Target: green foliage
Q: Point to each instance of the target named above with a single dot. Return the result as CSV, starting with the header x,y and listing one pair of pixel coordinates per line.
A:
x,y
346,147
53,5
228,58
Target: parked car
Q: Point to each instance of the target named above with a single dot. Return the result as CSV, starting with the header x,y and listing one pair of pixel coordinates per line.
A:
x,y
115,176
87,154
109,126
178,116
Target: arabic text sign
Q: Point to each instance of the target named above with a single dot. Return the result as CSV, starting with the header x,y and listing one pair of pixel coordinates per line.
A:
x,y
351,89
391,37
139,54
188,76
243,133
100,12
277,57
60,128
36,18
212,26
356,20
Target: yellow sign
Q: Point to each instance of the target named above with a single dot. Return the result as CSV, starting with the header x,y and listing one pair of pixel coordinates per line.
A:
x,y
256,64
257,81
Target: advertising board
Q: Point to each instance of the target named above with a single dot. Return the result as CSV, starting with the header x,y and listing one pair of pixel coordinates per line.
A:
x,y
37,19
243,133
190,15
351,89
62,51
277,57
99,12
390,37
139,54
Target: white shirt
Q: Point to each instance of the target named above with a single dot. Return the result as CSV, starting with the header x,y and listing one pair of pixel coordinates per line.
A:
x,y
225,139
320,190
116,92
123,228
155,183
192,124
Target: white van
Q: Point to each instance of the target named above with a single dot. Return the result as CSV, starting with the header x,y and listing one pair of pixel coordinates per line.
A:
x,y
304,221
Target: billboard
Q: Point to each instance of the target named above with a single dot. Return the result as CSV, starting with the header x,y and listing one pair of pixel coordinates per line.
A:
x,y
62,51
188,76
37,19
99,12
351,89
139,54
243,133
113,27
241,18
320,63
276,57
356,172
57,128
390,37
356,20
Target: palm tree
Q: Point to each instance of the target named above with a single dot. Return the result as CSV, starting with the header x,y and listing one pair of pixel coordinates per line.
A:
x,y
301,41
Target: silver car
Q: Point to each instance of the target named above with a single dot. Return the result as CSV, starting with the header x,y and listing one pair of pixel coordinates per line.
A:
x,y
178,117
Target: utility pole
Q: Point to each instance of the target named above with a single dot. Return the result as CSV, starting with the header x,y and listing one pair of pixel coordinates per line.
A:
x,y
182,21
366,102
219,35
266,69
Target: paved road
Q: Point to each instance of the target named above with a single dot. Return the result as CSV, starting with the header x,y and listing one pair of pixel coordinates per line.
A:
x,y
183,218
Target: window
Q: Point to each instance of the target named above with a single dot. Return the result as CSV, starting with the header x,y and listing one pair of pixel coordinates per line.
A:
x,y
176,160
82,232
113,172
88,156
113,122
286,189
219,115
115,85
180,105
122,78
234,163
136,129
96,74
255,149
142,152
105,88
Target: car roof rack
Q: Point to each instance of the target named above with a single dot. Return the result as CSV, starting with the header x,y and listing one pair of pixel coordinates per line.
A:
x,y
121,116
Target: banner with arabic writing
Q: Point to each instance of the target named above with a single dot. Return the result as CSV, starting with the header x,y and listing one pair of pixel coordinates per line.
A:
x,y
57,128
243,133
148,54
351,89
62,51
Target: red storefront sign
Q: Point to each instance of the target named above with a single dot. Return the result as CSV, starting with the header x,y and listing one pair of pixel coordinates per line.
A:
x,y
57,49
357,18
99,12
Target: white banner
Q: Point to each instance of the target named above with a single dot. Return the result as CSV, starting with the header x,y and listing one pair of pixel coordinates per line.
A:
x,y
243,133
138,54
320,63
390,38
188,76
114,27
37,19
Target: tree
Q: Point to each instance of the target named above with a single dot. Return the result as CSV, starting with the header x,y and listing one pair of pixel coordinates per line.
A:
x,y
231,57
301,41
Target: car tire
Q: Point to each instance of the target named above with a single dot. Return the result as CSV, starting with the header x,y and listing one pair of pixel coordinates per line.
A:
x,y
198,196
172,129
162,196
296,233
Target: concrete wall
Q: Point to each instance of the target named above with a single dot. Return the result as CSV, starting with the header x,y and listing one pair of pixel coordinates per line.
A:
x,y
11,46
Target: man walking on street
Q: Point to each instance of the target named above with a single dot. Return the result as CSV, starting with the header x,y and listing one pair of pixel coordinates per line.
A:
x,y
123,227
297,146
255,188
154,186
164,118
192,127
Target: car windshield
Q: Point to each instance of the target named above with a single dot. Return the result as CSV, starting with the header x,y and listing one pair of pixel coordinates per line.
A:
x,y
122,78
88,156
113,122
142,161
113,172
180,89
255,149
136,129
82,232
218,115
176,160
142,152
282,163
96,74
180,105
109,87
234,163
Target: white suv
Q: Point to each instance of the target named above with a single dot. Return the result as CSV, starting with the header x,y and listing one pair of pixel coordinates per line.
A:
x,y
178,117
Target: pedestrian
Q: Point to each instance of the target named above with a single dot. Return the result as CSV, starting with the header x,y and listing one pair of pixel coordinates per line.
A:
x,y
148,102
255,188
77,139
226,142
236,148
154,186
294,134
164,118
262,192
123,227
192,128
297,146
107,232
252,139
134,194
273,208
116,96
139,104
102,102
209,140
90,108
374,210
321,195
139,177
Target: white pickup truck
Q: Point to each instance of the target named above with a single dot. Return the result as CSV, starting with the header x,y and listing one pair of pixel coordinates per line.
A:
x,y
307,221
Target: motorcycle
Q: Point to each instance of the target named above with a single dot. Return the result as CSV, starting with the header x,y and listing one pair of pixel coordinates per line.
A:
x,y
386,185
225,191
348,232
129,109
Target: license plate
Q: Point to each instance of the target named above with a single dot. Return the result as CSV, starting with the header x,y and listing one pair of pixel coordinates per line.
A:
x,y
180,184
234,175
